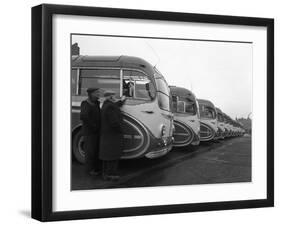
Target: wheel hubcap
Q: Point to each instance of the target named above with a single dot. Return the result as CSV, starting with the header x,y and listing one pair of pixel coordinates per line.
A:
x,y
81,147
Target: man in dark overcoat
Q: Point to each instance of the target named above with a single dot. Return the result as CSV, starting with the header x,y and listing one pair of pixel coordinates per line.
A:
x,y
111,141
91,121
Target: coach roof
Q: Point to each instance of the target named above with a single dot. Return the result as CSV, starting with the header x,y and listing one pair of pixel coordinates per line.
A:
x,y
206,103
182,92
113,61
219,111
227,117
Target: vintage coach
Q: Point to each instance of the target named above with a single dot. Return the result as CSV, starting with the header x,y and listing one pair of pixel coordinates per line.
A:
x,y
229,126
222,128
208,120
186,117
148,120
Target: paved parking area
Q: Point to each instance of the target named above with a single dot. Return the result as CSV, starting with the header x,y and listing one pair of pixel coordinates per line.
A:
x,y
222,161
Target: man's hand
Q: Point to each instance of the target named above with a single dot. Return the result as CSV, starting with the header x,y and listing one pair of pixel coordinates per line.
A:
x,y
123,98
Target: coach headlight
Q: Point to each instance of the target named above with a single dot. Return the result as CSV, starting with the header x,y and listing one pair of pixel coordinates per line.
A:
x,y
163,131
173,128
163,135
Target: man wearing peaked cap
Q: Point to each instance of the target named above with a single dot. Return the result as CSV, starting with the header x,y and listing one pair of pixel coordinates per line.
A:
x,y
91,119
91,90
109,93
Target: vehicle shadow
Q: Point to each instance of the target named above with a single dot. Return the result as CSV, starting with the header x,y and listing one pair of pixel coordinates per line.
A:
x,y
25,213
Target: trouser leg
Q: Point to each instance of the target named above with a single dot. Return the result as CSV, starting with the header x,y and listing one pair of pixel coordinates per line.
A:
x,y
114,167
110,167
97,163
88,148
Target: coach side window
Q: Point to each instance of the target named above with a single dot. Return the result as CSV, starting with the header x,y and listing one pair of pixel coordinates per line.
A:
x,y
74,83
137,85
190,106
174,103
105,79
207,112
183,105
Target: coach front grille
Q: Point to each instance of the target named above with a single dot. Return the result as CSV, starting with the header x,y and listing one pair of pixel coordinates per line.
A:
x,y
206,132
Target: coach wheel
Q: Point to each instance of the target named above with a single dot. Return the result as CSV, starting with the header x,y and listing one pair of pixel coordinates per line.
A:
x,y
78,147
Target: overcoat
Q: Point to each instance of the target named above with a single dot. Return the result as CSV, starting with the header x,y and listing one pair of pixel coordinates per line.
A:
x,y
111,139
90,116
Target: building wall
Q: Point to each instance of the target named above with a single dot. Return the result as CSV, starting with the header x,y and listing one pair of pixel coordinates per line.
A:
x,y
75,49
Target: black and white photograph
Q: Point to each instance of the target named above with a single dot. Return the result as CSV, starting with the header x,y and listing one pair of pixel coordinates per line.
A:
x,y
139,112
149,112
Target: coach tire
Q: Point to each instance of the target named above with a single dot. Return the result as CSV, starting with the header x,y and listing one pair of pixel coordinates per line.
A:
x,y
77,145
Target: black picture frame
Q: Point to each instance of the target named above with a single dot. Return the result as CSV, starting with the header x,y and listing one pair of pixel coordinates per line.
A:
x,y
42,111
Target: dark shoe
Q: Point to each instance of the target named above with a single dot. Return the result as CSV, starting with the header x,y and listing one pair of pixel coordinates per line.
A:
x,y
94,173
115,177
111,177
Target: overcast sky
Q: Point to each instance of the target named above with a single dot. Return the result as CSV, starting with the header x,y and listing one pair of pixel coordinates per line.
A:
x,y
218,71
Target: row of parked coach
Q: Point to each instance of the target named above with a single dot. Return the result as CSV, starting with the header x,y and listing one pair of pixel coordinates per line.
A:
x,y
156,116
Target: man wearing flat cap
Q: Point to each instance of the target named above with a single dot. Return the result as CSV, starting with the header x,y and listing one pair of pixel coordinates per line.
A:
x,y
91,121
111,141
